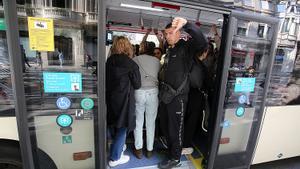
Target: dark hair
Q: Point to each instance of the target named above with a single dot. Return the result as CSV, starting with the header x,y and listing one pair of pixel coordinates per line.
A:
x,y
149,48
204,48
169,25
137,50
161,51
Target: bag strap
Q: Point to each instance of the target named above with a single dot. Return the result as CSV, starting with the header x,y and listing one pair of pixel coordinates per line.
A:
x,y
180,88
147,74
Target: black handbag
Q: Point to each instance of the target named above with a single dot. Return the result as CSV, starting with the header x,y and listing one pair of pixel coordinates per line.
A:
x,y
167,93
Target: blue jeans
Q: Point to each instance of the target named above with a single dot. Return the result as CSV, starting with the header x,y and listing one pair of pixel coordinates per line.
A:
x,y
146,104
118,143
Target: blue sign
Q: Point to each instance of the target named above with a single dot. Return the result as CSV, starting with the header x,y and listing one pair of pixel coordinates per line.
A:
x,y
240,111
62,82
64,120
226,124
63,103
242,99
244,84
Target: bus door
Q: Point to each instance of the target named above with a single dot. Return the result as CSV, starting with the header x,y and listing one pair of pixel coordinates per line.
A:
x,y
249,52
57,85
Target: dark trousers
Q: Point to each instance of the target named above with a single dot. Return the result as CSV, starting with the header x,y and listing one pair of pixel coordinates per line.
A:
x,y
172,124
193,116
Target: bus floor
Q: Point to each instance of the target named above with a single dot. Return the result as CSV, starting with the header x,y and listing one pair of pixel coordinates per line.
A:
x,y
192,161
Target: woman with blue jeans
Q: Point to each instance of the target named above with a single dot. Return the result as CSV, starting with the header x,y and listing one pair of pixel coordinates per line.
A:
x,y
146,98
122,78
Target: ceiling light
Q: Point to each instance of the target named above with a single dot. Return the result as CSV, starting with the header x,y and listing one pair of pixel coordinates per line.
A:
x,y
141,7
220,20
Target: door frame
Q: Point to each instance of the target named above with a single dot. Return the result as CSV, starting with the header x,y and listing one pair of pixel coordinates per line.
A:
x,y
222,86
13,41
100,123
14,52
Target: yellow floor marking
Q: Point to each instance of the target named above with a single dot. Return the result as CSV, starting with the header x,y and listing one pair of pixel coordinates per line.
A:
x,y
197,162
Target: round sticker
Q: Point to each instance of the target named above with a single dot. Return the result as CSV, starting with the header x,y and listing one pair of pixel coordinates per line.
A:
x,y
63,103
87,104
240,111
64,120
226,123
242,99
66,130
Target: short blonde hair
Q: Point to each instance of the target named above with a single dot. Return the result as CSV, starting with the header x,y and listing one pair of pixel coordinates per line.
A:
x,y
121,45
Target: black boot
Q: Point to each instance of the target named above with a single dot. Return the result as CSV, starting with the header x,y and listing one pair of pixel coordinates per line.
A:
x,y
167,164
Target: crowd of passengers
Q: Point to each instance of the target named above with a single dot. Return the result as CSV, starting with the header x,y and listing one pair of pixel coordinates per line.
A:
x,y
146,82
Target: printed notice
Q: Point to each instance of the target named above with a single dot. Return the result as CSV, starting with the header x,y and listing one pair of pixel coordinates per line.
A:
x,y
62,82
244,85
41,34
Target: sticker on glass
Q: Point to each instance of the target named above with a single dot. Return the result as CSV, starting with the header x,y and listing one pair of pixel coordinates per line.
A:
x,y
41,34
64,120
63,103
81,114
62,82
87,104
242,99
244,84
240,111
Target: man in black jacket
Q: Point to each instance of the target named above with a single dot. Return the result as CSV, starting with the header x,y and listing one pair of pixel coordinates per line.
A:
x,y
174,84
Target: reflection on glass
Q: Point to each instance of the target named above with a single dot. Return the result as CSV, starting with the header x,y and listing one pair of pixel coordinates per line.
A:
x,y
285,81
6,93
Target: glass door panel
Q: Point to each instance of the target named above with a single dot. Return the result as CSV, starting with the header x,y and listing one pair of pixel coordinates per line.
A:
x,y
245,79
60,85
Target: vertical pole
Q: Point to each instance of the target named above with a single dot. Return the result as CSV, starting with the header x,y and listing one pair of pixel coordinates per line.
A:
x,y
101,52
13,42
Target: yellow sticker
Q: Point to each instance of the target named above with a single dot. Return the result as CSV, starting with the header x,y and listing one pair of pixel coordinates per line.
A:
x,y
41,34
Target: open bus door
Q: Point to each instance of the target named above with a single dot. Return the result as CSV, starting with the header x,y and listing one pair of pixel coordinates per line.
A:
x,y
248,59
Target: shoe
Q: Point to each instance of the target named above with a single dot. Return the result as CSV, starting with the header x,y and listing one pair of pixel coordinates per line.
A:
x,y
167,164
124,149
163,142
186,151
149,154
123,159
138,153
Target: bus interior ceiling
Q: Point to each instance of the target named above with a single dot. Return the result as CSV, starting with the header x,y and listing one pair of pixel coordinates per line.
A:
x,y
121,13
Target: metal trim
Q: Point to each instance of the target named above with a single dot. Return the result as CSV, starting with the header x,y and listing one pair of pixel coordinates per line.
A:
x,y
257,18
101,160
267,83
200,6
217,128
13,43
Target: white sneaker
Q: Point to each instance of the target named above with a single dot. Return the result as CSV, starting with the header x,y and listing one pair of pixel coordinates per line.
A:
x,y
123,159
124,147
186,151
